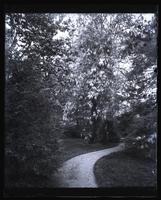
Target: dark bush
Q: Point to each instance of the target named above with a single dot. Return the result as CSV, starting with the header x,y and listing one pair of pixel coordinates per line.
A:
x,y
72,131
144,146
140,134
30,136
113,137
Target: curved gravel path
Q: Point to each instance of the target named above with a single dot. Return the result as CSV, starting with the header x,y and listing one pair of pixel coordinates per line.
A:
x,y
78,171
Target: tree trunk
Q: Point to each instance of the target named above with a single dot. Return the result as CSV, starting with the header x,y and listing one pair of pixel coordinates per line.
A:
x,y
94,118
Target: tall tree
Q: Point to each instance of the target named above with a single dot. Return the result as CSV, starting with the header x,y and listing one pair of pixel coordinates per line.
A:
x,y
33,86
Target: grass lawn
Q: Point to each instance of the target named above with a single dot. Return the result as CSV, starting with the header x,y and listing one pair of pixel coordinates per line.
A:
x,y
122,170
71,147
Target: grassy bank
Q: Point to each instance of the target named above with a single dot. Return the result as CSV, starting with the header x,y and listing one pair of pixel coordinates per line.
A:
x,y
122,170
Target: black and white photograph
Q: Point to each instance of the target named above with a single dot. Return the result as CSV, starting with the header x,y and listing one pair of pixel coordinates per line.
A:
x,y
80,100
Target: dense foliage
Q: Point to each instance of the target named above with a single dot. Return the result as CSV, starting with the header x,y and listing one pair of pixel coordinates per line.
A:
x,y
92,76
32,116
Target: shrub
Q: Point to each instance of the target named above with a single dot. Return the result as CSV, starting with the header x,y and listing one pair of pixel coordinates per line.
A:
x,y
72,131
30,137
32,162
141,146
141,133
